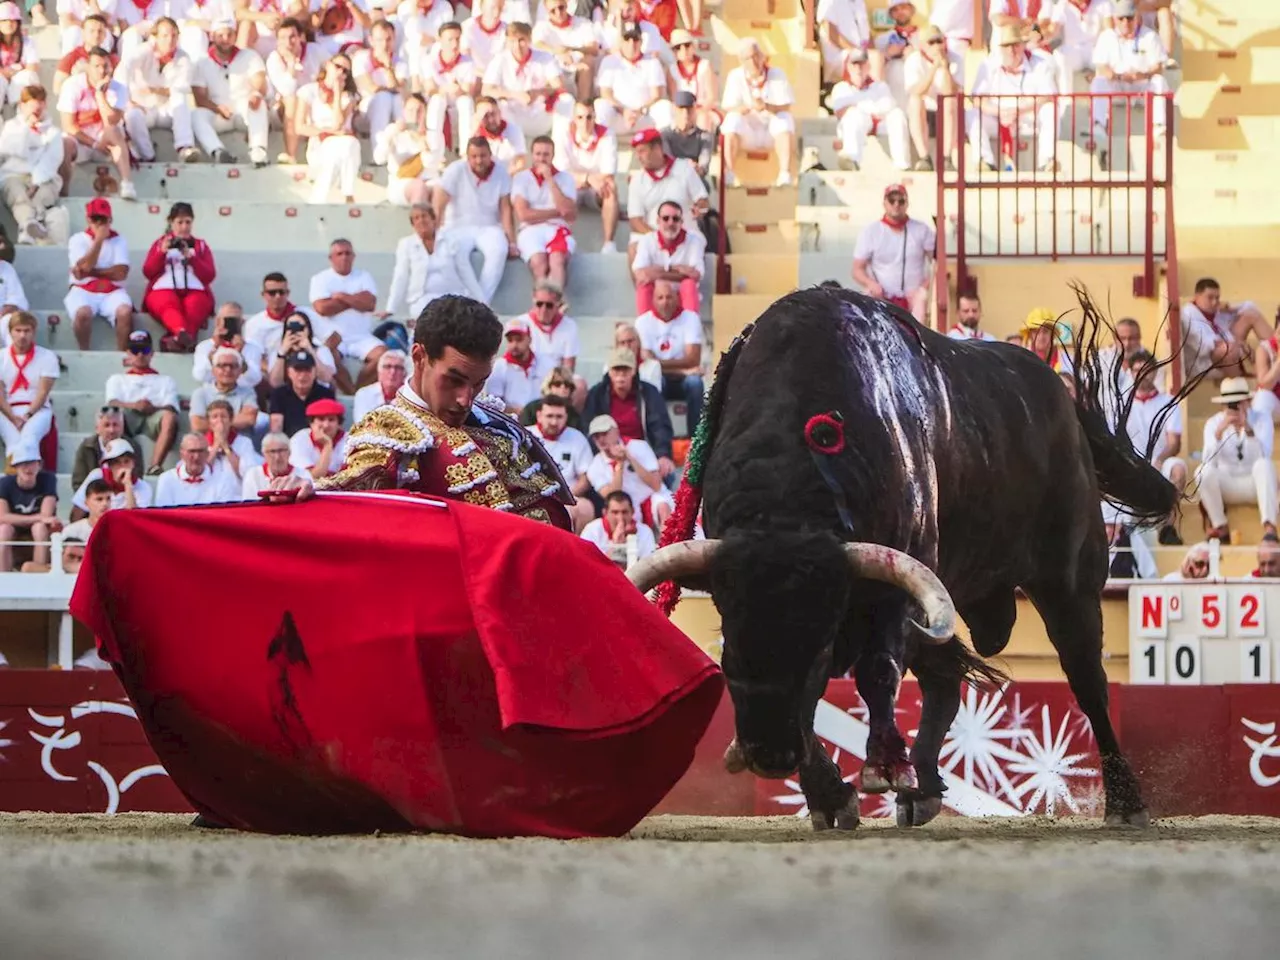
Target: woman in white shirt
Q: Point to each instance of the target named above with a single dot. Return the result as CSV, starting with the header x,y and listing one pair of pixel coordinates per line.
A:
x,y
326,114
428,266
413,166
18,58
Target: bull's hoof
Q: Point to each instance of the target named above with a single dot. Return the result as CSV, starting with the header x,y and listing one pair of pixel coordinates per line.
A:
x,y
897,776
916,811
1134,818
846,818
735,761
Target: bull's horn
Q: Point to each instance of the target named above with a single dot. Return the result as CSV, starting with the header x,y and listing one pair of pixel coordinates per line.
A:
x,y
675,561
877,562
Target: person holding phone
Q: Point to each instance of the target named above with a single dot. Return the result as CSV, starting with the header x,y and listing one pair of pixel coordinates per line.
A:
x,y
179,269
228,331
299,337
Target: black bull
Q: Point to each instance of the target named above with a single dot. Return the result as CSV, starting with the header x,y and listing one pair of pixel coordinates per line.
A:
x,y
969,457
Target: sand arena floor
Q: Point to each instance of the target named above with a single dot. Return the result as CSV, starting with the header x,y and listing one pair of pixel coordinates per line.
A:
x,y
148,886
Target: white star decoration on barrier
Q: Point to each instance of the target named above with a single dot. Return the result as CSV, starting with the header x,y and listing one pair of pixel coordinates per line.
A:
x,y
978,741
4,742
1048,764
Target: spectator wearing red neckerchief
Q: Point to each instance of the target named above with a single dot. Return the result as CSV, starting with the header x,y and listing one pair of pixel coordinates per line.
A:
x,y
322,447
99,267
545,203
276,466
527,83
147,399
757,103
670,253
27,374
193,481
392,373
518,372
229,450
660,178
611,531
892,256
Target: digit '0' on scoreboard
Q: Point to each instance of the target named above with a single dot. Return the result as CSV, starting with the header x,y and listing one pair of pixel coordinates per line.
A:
x,y
1190,634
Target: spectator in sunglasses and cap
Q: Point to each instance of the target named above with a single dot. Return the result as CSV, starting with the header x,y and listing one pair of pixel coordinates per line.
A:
x,y
147,399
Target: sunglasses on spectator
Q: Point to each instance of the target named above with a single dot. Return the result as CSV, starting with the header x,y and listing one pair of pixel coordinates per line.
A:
x,y
139,351
937,43
671,218
897,199
679,45
1125,18
544,304
109,409
275,291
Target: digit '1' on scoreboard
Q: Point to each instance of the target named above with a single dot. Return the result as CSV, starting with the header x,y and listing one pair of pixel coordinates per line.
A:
x,y
1190,634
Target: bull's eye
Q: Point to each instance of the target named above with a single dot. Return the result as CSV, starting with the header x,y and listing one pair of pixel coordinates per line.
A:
x,y
824,433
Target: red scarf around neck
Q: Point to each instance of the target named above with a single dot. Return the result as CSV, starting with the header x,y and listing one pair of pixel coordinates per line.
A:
x,y
266,471
109,478
608,530
20,382
448,67
597,132
634,60
522,364
893,224
521,64
692,72
494,135
1144,397
489,30
208,438
279,315
542,180
188,478
213,55
663,171
311,435
140,371
674,245
546,328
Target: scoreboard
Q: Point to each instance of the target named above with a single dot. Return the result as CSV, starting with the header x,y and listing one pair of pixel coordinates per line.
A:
x,y
1211,632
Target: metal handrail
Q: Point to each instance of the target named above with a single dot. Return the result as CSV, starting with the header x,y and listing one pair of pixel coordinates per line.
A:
x,y
55,543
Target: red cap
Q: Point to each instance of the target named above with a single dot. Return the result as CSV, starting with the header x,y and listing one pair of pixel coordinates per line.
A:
x,y
98,207
895,188
326,408
650,135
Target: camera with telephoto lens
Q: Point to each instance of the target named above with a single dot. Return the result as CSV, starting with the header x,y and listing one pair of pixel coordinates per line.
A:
x,y
295,326
180,243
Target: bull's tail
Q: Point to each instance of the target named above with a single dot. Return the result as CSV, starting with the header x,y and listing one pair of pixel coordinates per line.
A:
x,y
1126,477
952,660
680,525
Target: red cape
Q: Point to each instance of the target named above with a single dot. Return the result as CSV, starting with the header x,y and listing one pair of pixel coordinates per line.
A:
x,y
375,661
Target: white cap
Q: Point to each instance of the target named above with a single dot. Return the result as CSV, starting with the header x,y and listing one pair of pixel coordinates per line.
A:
x,y
602,424
119,447
224,24
24,453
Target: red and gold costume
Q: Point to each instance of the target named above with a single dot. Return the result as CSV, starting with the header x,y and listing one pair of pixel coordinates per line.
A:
x,y
490,461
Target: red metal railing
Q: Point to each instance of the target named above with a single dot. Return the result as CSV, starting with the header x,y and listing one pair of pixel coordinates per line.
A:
x,y
1110,191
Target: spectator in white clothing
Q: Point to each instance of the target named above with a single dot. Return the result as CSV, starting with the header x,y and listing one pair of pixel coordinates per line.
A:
x,y
757,112
484,35
629,466
589,154
428,265
1215,334
322,447
527,83
673,336
227,366
933,70
1016,99
956,19
573,41
92,107
421,23
118,468
1130,59
894,44
968,324
32,155
275,467
413,156
230,90
193,482
633,88
1155,430
27,375
291,67
517,374
19,61
382,78
863,107
159,80
545,203
12,298
147,398
1236,467
891,259
506,140
669,253
626,337
555,335
229,449
449,81
473,202
326,117
657,179
842,27
392,372
347,298
615,531
228,331
1075,26
99,267
570,450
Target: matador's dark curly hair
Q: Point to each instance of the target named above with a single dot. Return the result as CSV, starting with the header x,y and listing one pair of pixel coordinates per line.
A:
x,y
467,325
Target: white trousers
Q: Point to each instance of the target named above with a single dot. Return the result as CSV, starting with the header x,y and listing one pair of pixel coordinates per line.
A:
x,y
12,87
984,128
333,158
1265,401
32,432
492,244
1218,488
658,115
207,125
379,111
1103,105
461,111
535,120
175,115
856,125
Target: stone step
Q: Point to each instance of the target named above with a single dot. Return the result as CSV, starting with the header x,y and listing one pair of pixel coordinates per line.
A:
x,y
1238,133
1251,65
1226,27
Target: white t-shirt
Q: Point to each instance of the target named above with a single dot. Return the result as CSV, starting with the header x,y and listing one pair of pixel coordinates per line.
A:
x,y
916,65
462,71
884,249
540,70
571,451
113,253
231,84
1143,51
242,447
352,325
875,99
304,454
161,389
634,85
367,399
651,41
474,202
517,385
176,488
143,70
740,94
1081,29
597,154
39,363
1035,77
578,32
325,115
258,479
538,195
669,339
595,533
202,363
77,98
363,64
1142,419
558,346
266,333
691,252
600,472
11,295
954,18
287,79
1236,452
419,29
141,492
80,531
483,46
678,182
506,145
849,17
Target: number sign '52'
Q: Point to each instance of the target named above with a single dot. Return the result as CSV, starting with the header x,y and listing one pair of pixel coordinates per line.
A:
x,y
1210,633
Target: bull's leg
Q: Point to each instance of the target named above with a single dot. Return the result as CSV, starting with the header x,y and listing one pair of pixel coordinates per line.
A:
x,y
832,802
1074,625
940,700
887,766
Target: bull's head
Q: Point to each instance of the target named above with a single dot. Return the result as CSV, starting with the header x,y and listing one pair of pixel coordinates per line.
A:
x,y
783,600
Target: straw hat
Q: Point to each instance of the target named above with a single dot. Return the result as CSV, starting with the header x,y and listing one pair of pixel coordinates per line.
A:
x,y
1233,390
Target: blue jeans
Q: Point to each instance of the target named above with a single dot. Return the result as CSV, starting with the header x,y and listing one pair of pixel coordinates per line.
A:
x,y
686,388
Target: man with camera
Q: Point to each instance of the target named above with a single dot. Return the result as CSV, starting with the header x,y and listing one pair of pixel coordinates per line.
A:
x,y
1236,466
147,399
228,331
